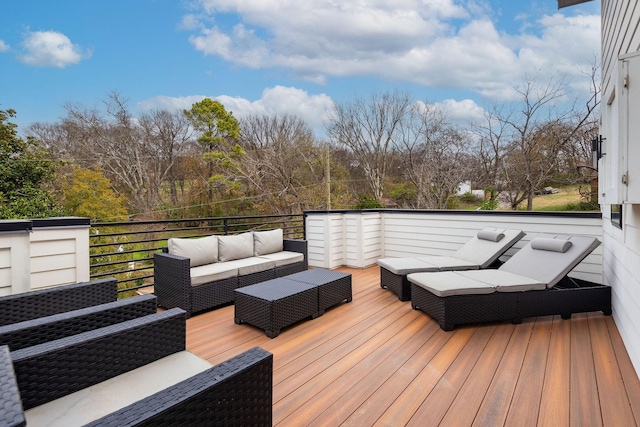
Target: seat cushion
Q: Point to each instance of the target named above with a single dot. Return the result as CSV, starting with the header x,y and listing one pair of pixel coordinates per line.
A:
x,y
447,263
284,258
199,251
505,281
403,266
484,252
267,242
251,265
450,283
235,247
97,401
212,273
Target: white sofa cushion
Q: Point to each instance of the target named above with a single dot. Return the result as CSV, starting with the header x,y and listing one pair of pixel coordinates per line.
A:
x,y
99,400
212,273
235,247
284,258
199,251
267,242
251,265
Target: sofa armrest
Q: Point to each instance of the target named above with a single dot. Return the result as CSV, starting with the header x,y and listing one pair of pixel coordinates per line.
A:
x,y
50,328
54,369
45,302
300,246
172,281
238,391
11,413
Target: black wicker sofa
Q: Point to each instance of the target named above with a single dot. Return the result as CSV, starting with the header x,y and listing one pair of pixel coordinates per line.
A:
x,y
136,372
533,282
199,274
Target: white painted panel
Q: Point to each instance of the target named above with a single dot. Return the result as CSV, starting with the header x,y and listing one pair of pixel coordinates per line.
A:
x,y
48,279
57,262
5,257
50,247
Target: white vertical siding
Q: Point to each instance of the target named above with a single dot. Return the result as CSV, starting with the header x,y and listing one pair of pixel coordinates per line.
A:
x,y
621,265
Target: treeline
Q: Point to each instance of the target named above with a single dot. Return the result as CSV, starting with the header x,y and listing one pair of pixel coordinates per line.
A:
x,y
378,150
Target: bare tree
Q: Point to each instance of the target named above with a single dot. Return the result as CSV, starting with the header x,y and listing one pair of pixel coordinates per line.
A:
x,y
282,162
522,147
369,128
137,155
435,154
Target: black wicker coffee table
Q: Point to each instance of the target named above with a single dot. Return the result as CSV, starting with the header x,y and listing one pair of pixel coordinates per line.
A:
x,y
277,303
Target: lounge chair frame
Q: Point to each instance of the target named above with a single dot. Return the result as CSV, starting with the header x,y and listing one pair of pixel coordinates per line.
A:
x,y
565,298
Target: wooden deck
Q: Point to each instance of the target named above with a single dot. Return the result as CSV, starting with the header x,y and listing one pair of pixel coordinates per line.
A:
x,y
375,361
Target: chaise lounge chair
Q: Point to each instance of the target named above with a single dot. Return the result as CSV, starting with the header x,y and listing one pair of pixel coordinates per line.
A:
x,y
482,251
533,282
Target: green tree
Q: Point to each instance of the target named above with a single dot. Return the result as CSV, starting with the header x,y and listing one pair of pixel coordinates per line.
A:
x,y
218,131
88,193
25,168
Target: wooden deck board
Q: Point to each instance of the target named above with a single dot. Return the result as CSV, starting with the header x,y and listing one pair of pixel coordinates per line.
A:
x,y
375,361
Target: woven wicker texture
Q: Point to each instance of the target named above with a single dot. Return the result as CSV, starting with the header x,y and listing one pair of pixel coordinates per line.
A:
x,y
54,369
34,304
334,287
50,328
396,283
11,413
238,392
274,304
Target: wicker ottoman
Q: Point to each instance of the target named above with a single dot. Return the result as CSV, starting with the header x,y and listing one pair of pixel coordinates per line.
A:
x,y
276,303
333,287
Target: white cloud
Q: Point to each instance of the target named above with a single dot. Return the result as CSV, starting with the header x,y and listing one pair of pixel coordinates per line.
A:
x,y
461,112
51,49
4,47
437,43
276,100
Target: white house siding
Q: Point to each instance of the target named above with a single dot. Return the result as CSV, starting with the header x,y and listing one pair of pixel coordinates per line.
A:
x,y
621,266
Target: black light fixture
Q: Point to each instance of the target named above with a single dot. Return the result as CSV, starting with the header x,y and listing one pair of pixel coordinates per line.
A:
x,y
596,150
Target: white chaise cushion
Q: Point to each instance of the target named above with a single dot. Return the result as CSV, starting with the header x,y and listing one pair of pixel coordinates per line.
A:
x,y
235,247
553,245
548,266
403,266
199,251
267,242
212,273
97,401
284,258
450,283
447,263
504,281
484,251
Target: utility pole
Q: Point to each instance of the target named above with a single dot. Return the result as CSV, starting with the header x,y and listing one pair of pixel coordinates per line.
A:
x,y
328,177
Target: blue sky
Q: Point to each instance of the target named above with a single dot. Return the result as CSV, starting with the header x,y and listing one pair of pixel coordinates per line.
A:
x,y
284,56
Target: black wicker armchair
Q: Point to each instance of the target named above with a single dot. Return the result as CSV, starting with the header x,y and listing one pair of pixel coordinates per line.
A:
x,y
45,302
32,379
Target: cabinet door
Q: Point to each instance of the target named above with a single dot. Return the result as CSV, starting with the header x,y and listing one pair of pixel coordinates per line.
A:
x,y
630,127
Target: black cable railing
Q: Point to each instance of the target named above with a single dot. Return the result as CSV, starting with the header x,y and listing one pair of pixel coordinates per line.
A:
x,y
124,250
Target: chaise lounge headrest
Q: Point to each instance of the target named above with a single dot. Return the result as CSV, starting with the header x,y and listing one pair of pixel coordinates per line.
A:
x,y
547,244
491,235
